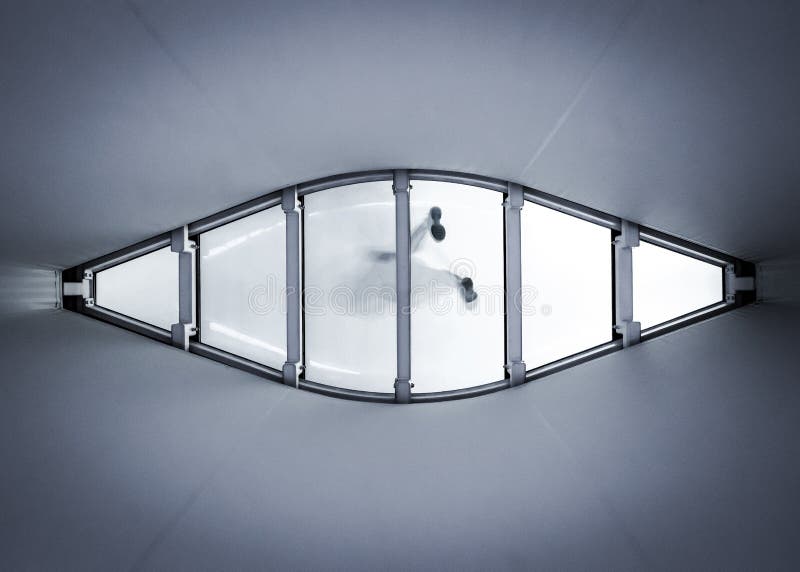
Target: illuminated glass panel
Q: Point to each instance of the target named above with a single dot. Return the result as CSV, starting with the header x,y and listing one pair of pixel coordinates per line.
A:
x,y
350,299
145,288
242,285
667,284
566,285
457,293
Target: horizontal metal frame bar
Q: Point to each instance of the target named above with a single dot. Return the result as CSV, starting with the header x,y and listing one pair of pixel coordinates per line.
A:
x,y
128,253
235,213
352,394
573,209
685,247
573,360
686,320
462,178
454,394
342,180
233,360
128,323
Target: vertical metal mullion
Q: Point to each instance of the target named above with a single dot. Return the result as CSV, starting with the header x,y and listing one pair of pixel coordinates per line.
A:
x,y
198,293
402,384
185,328
292,366
623,284
512,208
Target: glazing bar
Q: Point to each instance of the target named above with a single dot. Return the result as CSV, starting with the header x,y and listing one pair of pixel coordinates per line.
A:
x,y
186,249
513,291
623,284
402,385
128,253
293,365
342,180
235,213
573,209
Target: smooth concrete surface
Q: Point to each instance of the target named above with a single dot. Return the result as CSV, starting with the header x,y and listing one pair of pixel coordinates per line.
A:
x,y
126,119
120,453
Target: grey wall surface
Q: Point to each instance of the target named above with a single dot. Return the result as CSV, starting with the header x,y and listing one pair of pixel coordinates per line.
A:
x,y
26,288
125,119
121,453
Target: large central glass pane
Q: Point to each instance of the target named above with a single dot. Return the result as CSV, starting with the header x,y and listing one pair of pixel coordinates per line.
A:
x,y
350,300
457,294
566,285
242,284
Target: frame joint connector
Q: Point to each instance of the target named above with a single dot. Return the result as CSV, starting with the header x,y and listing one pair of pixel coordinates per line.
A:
x,y
402,390
180,242
289,199
628,236
631,332
516,373
735,283
181,334
515,198
291,373
400,182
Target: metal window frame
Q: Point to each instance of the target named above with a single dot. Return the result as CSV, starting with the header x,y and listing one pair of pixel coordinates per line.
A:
x,y
733,268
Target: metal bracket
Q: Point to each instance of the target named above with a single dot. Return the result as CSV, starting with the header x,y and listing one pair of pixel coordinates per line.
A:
x,y
294,359
628,239
402,390
734,284
512,208
186,249
401,182
83,288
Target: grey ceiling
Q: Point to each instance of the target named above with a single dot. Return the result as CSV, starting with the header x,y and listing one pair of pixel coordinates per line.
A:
x,y
119,453
124,119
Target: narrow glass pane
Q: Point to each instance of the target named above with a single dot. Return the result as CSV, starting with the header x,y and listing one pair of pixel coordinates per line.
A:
x,y
667,284
145,288
457,338
350,299
242,284
566,285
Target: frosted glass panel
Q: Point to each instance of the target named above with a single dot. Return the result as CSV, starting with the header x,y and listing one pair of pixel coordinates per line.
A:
x,y
145,288
242,284
350,299
457,320
566,285
667,284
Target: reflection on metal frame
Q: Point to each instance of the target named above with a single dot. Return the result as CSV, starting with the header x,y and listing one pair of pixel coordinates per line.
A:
x,y
128,253
460,393
573,209
233,360
235,213
273,199
343,180
573,360
686,320
352,394
131,324
461,178
685,247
